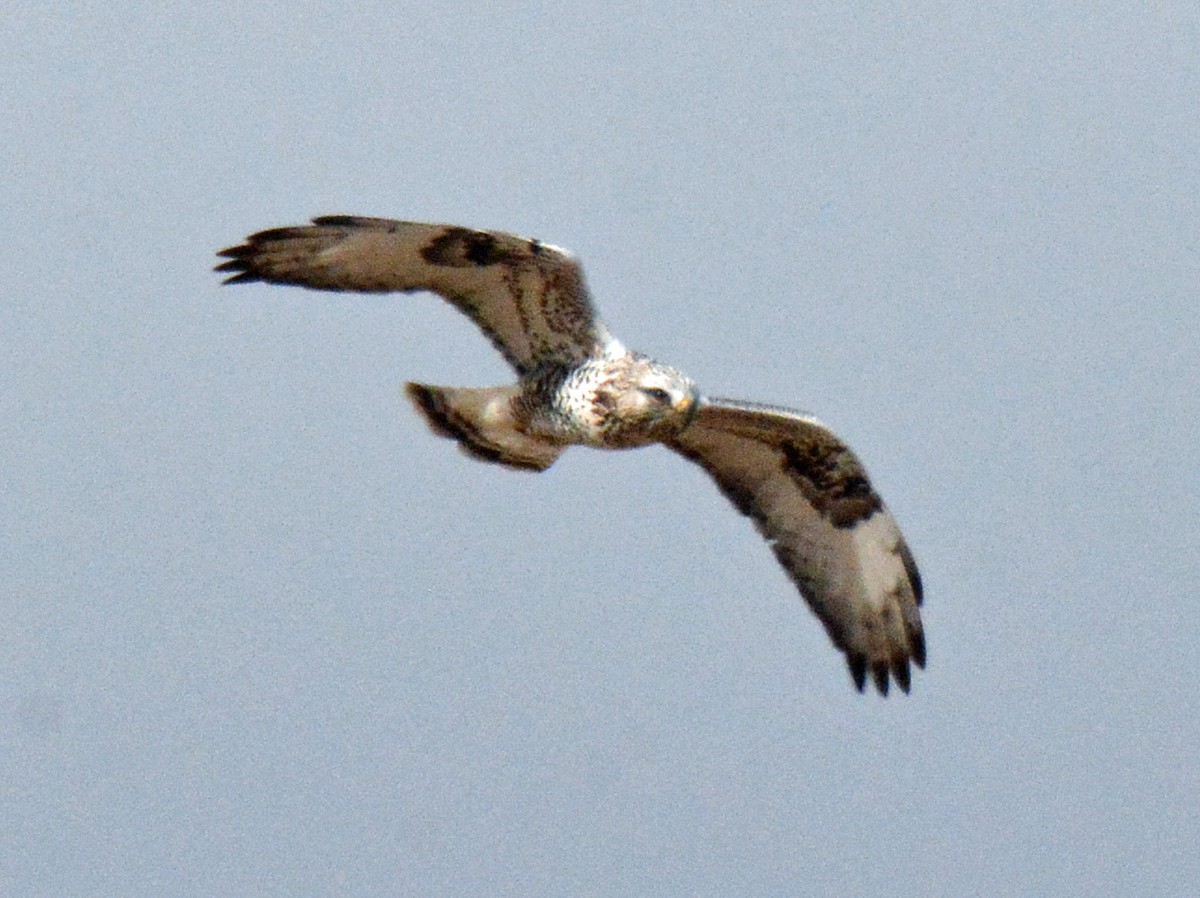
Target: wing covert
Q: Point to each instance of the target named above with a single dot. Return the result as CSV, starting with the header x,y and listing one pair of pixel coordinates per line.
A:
x,y
809,496
528,297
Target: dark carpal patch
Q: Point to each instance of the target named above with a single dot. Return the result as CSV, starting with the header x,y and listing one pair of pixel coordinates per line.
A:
x,y
832,480
462,247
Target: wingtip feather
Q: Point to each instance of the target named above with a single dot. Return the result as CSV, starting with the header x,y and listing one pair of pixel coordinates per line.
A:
x,y
242,277
879,673
914,575
236,265
902,674
858,671
918,649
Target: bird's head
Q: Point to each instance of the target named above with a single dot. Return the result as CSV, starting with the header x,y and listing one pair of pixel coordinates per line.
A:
x,y
650,402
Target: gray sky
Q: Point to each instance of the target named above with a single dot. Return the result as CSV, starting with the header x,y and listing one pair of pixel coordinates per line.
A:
x,y
264,634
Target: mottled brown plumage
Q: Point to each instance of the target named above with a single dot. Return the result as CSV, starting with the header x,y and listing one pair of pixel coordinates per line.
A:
x,y
804,489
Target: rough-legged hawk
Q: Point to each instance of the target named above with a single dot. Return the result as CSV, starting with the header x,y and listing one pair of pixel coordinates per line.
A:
x,y
805,490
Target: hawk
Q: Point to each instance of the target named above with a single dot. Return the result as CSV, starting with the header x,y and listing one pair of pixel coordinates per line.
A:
x,y
576,384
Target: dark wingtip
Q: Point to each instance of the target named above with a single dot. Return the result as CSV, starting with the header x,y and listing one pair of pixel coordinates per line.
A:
x,y
244,277
236,264
914,575
918,649
903,674
241,258
879,673
239,271
858,670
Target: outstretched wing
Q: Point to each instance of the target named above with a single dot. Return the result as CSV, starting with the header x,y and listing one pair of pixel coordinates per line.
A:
x,y
810,497
528,297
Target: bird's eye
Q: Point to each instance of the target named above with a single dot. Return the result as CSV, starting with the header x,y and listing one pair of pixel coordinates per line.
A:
x,y
658,394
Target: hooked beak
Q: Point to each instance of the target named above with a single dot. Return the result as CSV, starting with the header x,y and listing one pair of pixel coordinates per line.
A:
x,y
688,405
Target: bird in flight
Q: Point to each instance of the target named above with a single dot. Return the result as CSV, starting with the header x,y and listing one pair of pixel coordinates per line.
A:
x,y
806,492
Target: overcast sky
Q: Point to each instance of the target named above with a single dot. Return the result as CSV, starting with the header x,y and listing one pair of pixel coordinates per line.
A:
x,y
264,634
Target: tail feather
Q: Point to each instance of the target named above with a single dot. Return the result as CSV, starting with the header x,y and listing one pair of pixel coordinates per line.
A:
x,y
483,422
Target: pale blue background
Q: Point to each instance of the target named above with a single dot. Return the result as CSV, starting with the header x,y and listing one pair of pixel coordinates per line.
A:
x,y
263,634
